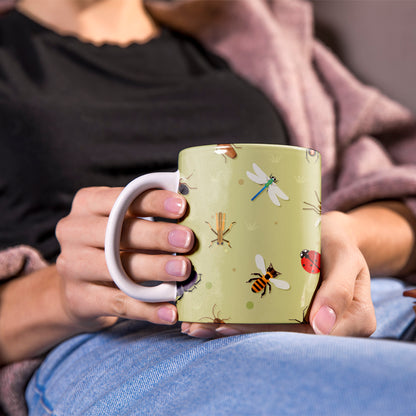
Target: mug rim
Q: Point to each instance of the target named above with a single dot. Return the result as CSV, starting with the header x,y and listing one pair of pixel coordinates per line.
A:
x,y
259,145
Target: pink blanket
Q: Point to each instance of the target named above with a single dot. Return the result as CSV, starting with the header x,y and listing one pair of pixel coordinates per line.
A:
x,y
367,142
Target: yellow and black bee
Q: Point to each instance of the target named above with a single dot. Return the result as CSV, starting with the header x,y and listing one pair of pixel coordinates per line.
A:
x,y
263,281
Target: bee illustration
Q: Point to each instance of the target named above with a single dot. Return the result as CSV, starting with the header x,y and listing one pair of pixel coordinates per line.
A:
x,y
267,276
311,261
189,285
312,156
269,182
317,209
184,186
220,231
228,150
216,317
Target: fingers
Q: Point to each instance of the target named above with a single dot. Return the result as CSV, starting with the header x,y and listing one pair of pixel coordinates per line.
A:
x,y
102,301
137,234
155,203
89,264
88,293
342,304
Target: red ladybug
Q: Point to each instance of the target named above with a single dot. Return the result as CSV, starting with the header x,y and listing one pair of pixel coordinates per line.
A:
x,y
311,261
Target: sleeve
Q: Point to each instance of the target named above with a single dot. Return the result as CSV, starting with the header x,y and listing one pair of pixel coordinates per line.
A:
x,y
14,262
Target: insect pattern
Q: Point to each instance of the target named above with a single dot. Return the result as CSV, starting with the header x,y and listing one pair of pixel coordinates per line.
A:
x,y
305,317
312,156
269,183
220,230
316,208
227,150
263,280
189,285
311,261
216,317
184,186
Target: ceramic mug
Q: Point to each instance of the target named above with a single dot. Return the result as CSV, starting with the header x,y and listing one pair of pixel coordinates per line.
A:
x,y
255,210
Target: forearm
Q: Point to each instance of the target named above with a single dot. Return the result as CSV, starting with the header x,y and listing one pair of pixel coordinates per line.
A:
x,y
32,318
385,233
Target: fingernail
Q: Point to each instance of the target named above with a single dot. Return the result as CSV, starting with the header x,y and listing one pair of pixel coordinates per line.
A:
x,y
167,314
227,331
186,326
175,205
179,238
202,333
324,321
176,268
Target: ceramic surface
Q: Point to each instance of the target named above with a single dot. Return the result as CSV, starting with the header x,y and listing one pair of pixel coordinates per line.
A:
x,y
255,211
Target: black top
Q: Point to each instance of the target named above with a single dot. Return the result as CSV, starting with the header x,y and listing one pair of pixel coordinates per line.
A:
x,y
73,115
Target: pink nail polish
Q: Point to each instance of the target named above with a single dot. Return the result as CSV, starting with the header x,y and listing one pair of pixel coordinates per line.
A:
x,y
186,326
179,238
324,321
227,331
167,314
176,267
175,205
202,333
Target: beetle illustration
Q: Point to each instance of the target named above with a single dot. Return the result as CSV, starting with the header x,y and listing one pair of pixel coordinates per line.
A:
x,y
311,261
184,186
189,285
312,156
216,317
316,208
227,150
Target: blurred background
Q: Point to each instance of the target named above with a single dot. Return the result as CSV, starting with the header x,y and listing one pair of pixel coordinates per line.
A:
x,y
376,40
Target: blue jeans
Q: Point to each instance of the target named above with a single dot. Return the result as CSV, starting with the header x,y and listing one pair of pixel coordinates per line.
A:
x,y
136,368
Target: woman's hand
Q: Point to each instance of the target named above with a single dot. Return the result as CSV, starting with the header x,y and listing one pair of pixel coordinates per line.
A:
x,y
89,296
342,305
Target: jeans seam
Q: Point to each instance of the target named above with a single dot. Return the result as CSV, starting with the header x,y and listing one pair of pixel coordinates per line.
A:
x,y
44,402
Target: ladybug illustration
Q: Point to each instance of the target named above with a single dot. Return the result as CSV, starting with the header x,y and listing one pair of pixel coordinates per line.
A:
x,y
311,261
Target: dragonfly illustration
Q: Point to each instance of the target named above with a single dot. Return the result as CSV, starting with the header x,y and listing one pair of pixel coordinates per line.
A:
x,y
269,183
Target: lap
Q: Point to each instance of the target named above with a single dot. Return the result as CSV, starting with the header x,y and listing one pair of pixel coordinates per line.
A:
x,y
138,368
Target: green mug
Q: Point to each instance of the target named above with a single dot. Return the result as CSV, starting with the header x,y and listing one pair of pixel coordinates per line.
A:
x,y
255,210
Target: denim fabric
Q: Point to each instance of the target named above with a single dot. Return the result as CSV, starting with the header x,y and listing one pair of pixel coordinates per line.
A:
x,y
135,368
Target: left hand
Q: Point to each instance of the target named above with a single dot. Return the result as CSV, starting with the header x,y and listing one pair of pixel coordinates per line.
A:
x,y
342,304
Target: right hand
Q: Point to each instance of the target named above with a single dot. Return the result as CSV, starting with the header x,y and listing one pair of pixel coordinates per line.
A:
x,y
89,296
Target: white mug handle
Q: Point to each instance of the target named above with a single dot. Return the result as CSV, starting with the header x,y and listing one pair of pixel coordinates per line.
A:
x,y
164,292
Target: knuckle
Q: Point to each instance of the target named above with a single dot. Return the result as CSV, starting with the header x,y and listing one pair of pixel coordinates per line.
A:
x,y
61,229
119,305
62,265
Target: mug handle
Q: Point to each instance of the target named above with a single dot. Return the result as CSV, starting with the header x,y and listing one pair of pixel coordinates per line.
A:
x,y
164,292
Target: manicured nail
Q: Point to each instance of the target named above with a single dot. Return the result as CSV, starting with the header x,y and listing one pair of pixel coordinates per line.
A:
x,y
186,326
180,238
175,205
227,331
202,333
167,314
176,267
324,321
